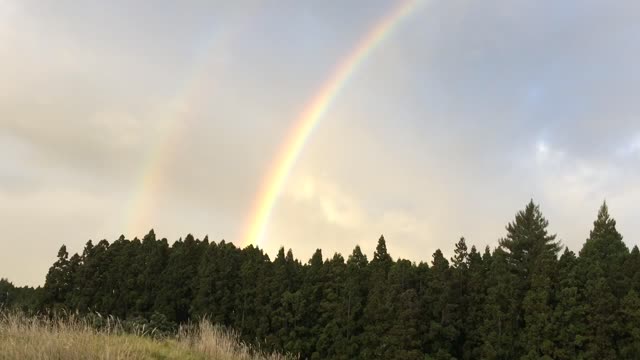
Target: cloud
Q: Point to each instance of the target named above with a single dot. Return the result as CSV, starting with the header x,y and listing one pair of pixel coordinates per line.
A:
x,y
630,149
457,119
39,222
571,189
322,210
337,207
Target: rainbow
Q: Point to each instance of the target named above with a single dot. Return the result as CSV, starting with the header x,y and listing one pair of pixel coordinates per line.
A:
x,y
153,175
172,121
309,118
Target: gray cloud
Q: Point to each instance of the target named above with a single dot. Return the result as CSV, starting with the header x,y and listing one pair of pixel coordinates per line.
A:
x,y
453,123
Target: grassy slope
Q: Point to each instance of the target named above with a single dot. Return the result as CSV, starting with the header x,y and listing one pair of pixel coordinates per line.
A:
x,y
26,338
91,346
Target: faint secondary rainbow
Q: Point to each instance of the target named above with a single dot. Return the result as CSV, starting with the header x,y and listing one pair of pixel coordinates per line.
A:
x,y
173,120
153,173
309,118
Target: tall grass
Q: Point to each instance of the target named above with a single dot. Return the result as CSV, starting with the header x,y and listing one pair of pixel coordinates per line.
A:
x,y
70,337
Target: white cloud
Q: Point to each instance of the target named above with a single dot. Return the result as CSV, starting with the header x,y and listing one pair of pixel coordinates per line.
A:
x,y
323,209
631,148
337,206
437,135
548,155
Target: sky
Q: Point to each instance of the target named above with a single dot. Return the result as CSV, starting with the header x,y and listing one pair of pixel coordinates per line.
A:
x,y
121,116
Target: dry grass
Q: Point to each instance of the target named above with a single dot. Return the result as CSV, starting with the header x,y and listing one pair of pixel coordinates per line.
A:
x,y
23,337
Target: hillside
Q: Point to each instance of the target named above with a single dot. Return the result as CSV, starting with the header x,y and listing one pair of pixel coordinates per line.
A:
x,y
23,337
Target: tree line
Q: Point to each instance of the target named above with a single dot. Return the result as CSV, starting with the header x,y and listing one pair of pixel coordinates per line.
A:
x,y
526,299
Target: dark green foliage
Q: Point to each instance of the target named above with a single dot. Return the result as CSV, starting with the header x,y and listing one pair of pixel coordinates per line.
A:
x,y
527,242
25,298
59,282
474,298
629,343
519,301
601,270
569,327
178,284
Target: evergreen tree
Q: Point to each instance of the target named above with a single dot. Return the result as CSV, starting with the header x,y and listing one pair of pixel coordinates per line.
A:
x,y
632,269
178,283
218,279
252,316
332,339
461,256
25,299
527,240
152,260
59,281
605,248
402,339
459,291
537,308
530,252
357,290
602,261
381,257
500,325
568,317
442,332
6,293
475,299
312,292
629,343
518,302
601,319
377,315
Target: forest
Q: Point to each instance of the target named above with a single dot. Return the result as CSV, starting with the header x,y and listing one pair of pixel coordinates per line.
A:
x,y
529,298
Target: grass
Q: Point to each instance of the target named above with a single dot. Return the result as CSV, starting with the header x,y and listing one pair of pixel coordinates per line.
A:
x,y
24,337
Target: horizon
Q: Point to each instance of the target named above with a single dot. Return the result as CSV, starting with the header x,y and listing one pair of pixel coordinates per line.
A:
x,y
312,125
447,252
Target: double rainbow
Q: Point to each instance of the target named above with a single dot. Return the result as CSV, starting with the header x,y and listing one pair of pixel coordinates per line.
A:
x,y
310,117
159,156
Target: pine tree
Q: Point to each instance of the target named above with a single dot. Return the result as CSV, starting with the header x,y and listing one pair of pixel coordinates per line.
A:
x,y
537,334
381,257
357,289
332,340
569,314
312,292
442,333
59,281
377,315
461,256
179,279
252,300
632,269
527,240
629,342
6,293
285,302
530,252
500,325
601,319
25,299
602,261
205,301
402,339
519,302
605,248
475,299
459,289
152,258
